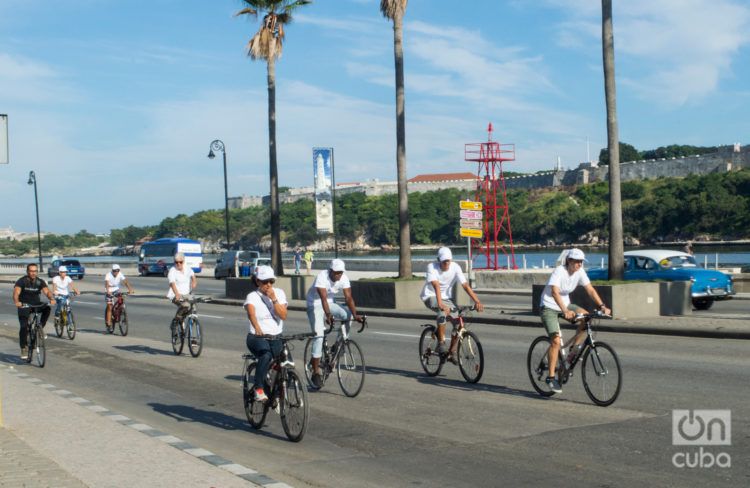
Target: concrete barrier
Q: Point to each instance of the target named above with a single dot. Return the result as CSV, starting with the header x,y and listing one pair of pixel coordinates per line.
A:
x,y
510,279
401,295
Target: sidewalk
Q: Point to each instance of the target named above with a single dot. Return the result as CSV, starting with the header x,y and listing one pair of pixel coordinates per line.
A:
x,y
51,438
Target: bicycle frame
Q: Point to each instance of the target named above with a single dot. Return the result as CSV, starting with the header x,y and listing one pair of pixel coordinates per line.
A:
x,y
565,367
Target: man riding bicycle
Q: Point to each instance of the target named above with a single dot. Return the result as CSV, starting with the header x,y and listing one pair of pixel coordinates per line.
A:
x,y
62,286
266,309
322,310
182,283
555,300
112,282
26,291
437,295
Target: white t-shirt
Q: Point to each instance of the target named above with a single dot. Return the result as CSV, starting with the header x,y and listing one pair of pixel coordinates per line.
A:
x,y
62,285
446,279
113,282
269,322
181,279
331,287
566,282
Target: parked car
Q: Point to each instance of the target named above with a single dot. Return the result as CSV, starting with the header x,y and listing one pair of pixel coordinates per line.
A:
x,y
75,268
665,265
227,264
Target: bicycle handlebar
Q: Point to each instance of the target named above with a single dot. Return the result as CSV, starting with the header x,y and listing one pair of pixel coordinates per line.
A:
x,y
342,322
34,307
596,314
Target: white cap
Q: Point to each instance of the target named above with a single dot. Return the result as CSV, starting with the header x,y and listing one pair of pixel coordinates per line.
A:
x,y
264,273
62,269
337,265
444,254
576,254
115,266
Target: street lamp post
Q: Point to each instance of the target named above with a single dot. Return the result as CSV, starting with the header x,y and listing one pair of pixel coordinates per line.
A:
x,y
32,181
219,146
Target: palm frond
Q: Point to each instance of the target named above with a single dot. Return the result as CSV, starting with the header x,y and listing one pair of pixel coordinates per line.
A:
x,y
247,11
390,8
288,8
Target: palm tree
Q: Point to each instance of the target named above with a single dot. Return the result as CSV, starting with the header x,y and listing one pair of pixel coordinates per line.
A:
x,y
267,44
616,250
395,10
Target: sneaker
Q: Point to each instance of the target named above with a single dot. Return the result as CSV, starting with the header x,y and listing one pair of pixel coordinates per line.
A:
x,y
317,380
554,385
441,348
24,353
260,395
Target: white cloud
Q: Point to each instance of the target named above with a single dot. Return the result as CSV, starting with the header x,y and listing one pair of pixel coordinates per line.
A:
x,y
675,51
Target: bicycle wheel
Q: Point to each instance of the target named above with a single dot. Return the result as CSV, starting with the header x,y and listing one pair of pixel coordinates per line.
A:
x,y
39,348
71,326
470,357
601,375
60,324
30,339
295,409
537,363
350,368
123,323
195,337
430,359
178,337
255,411
307,357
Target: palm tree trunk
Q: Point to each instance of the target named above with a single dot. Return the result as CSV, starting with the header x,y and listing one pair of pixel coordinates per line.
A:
x,y
274,171
404,240
616,249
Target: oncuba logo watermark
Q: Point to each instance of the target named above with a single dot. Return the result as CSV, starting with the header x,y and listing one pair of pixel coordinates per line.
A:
x,y
701,428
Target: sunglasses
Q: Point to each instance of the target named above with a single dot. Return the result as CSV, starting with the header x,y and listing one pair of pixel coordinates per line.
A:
x,y
179,262
265,282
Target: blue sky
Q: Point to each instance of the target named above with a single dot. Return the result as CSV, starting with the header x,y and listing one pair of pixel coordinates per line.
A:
x,y
114,103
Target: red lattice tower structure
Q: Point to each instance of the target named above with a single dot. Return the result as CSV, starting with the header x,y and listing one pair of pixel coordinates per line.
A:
x,y
490,157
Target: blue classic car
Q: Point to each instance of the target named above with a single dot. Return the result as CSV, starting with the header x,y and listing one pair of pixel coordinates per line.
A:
x,y
664,265
75,268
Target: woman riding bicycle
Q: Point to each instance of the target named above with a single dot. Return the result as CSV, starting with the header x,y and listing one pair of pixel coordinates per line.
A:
x,y
266,309
555,300
437,294
62,286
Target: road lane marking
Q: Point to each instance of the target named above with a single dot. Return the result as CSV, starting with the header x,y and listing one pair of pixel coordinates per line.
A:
x,y
396,334
87,303
209,316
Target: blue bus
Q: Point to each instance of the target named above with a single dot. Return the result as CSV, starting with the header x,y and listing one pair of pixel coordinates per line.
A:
x,y
158,256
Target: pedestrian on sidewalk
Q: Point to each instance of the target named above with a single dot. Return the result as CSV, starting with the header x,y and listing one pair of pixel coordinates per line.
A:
x,y
309,260
27,291
297,260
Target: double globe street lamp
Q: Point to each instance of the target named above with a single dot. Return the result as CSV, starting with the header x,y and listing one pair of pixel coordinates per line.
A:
x,y
32,181
218,145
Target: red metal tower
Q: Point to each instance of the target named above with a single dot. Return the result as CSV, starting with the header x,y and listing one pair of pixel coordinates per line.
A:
x,y
489,157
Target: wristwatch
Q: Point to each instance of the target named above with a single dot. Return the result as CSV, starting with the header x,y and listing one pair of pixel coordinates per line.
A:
x,y
274,302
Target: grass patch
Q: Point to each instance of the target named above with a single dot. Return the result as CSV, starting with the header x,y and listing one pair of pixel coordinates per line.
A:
x,y
391,279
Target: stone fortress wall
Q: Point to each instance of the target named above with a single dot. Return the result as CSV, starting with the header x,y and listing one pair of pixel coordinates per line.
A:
x,y
728,158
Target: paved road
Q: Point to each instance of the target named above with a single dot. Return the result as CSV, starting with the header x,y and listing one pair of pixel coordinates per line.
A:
x,y
406,429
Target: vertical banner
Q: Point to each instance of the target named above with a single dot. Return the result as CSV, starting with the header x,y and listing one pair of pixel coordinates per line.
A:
x,y
4,153
322,170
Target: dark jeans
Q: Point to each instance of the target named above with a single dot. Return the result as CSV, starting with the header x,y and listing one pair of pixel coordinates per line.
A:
x,y
264,350
23,321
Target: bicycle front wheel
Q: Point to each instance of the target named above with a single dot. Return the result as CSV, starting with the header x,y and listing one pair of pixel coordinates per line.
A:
x,y
178,337
537,362
30,339
39,348
307,357
254,411
470,357
71,326
295,410
601,375
60,324
195,337
428,356
350,368
123,323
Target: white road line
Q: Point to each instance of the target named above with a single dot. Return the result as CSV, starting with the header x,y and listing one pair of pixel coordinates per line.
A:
x,y
88,303
395,334
209,316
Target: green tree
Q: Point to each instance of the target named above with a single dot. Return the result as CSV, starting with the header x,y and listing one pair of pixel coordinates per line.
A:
x,y
627,153
267,45
395,10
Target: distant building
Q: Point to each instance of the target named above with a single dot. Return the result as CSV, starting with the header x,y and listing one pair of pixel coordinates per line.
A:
x,y
7,233
244,202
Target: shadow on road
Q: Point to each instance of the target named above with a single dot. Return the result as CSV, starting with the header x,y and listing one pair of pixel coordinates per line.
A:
x,y
455,384
212,418
138,349
11,358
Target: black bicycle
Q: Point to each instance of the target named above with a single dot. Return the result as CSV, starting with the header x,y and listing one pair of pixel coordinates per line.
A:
x,y
189,328
469,354
35,335
601,373
65,322
344,355
287,396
